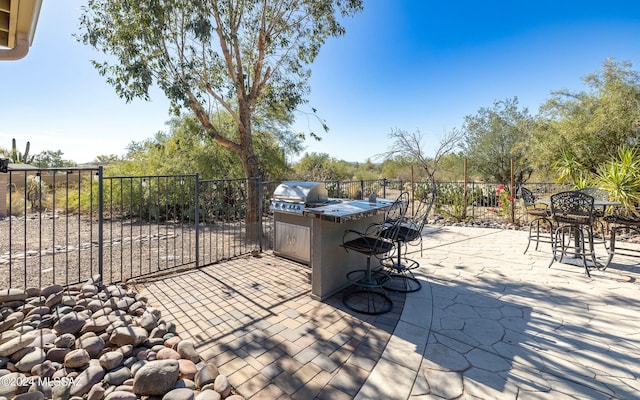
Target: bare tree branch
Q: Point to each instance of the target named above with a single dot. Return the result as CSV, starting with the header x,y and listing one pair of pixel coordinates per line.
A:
x,y
409,145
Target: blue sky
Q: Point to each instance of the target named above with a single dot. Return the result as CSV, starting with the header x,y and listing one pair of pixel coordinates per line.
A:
x,y
410,65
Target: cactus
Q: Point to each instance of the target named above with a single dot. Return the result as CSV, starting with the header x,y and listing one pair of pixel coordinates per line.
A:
x,y
18,157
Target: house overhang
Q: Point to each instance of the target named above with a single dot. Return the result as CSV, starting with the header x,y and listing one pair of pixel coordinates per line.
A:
x,y
18,21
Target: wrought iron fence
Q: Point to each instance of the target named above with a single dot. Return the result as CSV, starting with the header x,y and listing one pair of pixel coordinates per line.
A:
x,y
149,225
50,227
461,201
66,225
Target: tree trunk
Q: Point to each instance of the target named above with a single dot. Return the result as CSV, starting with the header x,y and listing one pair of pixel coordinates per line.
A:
x,y
253,218
252,174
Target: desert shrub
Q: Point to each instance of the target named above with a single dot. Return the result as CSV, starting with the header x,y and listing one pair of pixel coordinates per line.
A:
x,y
450,201
36,193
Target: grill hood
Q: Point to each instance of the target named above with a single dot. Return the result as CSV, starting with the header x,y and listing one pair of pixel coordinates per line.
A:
x,y
301,192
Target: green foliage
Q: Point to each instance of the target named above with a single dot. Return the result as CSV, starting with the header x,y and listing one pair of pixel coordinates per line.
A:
x,y
423,189
51,159
322,167
18,157
183,150
495,136
245,58
452,168
107,158
148,198
504,202
570,170
450,201
620,177
593,124
80,197
187,149
399,168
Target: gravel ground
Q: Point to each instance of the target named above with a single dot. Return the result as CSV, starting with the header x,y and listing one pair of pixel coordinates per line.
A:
x,y
46,250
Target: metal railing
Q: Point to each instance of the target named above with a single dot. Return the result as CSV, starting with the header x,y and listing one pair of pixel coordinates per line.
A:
x,y
487,201
51,228
149,225
64,226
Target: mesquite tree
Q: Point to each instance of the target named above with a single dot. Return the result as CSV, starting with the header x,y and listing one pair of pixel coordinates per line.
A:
x,y
240,56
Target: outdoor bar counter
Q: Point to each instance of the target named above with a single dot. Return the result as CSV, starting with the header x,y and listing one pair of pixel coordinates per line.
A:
x,y
330,262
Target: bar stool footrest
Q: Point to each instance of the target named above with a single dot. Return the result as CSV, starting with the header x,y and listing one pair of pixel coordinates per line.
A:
x,y
403,283
368,301
401,278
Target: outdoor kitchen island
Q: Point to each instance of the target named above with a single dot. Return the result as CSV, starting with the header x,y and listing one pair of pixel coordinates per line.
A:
x,y
330,262
309,228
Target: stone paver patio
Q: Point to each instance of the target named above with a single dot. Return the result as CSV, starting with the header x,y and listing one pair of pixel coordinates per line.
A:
x,y
489,323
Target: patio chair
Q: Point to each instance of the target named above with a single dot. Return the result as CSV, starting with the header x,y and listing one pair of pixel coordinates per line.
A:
x,y
540,215
410,232
599,194
574,215
368,295
622,219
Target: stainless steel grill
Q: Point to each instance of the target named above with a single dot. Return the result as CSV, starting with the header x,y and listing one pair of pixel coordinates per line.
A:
x,y
295,196
292,229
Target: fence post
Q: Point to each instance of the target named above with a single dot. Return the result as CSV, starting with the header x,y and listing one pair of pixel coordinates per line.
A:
x,y
197,218
473,206
513,196
260,196
464,193
100,222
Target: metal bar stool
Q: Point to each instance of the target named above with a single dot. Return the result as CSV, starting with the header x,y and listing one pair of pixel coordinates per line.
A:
x,y
541,215
602,195
401,268
368,295
574,214
622,220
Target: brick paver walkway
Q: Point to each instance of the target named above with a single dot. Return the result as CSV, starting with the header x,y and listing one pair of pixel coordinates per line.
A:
x,y
254,318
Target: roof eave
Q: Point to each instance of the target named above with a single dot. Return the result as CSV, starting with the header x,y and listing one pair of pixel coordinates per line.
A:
x,y
21,19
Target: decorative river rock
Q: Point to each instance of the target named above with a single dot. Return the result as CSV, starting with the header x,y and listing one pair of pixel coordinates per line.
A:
x,y
96,342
